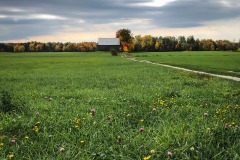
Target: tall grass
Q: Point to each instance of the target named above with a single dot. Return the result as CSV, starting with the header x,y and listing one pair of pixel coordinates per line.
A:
x,y
226,63
96,106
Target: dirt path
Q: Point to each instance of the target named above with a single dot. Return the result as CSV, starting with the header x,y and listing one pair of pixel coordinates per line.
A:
x,y
189,70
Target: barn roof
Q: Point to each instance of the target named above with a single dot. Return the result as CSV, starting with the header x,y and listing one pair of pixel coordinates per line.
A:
x,y
108,41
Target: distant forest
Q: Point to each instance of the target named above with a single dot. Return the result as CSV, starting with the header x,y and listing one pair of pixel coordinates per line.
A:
x,y
48,47
139,43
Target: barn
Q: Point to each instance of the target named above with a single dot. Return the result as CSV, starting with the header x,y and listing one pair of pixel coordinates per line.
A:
x,y
106,44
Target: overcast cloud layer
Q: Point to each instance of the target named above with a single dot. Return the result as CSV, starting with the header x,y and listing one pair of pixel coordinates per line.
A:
x,y
74,20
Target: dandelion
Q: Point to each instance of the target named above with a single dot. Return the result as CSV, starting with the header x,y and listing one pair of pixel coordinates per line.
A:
x,y
152,151
161,102
38,123
1,144
147,158
10,155
141,129
75,126
142,120
205,114
62,149
82,141
77,120
169,154
35,128
208,129
26,137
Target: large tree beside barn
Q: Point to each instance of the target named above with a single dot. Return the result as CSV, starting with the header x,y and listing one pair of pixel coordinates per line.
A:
x,y
126,39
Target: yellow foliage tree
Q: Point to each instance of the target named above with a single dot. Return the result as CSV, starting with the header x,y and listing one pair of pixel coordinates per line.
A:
x,y
157,45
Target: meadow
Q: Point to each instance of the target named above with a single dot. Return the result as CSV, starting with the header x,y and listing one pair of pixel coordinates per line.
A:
x,y
97,106
225,63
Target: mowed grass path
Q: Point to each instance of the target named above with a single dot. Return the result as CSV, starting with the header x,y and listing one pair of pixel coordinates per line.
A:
x,y
95,106
225,63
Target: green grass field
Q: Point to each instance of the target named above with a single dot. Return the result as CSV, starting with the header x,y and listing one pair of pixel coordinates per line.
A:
x,y
225,63
96,106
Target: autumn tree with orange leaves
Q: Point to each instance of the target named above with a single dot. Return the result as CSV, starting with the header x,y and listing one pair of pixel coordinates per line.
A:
x,y
126,40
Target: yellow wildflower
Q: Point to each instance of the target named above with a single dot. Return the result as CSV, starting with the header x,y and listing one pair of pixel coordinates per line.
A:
x,y
161,102
81,141
10,155
26,137
1,144
147,158
142,120
35,128
38,123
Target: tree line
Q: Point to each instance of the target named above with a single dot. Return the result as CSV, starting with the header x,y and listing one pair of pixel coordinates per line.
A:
x,y
129,43
163,44
48,47
149,43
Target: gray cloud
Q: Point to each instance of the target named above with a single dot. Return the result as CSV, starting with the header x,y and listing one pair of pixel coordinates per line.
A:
x,y
193,13
22,19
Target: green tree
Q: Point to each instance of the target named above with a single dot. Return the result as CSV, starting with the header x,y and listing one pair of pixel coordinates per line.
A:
x,y
191,43
138,43
182,43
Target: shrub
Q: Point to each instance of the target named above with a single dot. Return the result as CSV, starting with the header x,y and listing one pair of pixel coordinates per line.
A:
x,y
113,52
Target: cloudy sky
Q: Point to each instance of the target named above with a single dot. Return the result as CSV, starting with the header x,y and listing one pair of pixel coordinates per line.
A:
x,y
86,20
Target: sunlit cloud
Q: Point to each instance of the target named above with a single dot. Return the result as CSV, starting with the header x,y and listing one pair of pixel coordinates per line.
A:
x,y
156,3
230,3
129,22
3,16
33,16
79,21
11,9
45,16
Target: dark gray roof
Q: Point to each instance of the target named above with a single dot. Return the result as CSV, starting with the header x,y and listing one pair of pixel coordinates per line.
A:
x,y
108,41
